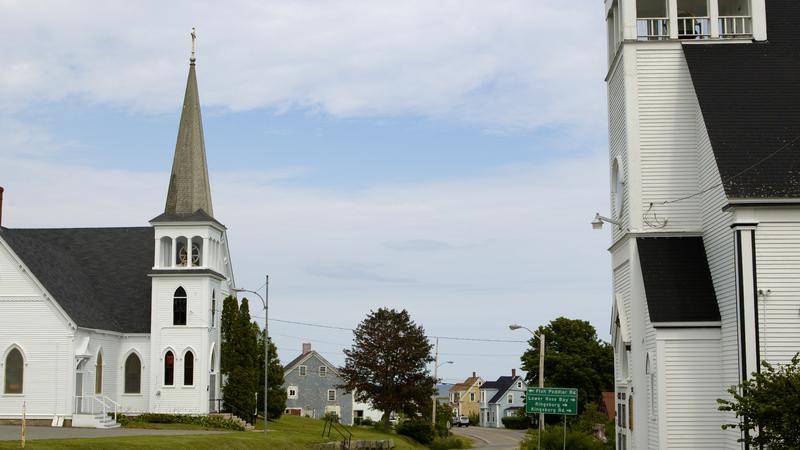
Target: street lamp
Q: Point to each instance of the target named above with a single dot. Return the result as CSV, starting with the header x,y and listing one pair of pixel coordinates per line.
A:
x,y
435,382
265,303
541,365
597,224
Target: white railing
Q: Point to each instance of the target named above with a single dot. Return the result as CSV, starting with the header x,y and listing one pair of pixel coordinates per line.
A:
x,y
694,27
91,404
733,26
652,28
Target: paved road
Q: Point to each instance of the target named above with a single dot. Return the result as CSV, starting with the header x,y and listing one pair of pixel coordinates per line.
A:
x,y
492,438
11,432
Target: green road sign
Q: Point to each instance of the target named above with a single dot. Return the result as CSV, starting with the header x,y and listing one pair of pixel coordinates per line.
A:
x,y
552,401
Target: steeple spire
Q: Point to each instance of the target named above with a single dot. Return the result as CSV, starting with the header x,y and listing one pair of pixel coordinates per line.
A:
x,y
189,189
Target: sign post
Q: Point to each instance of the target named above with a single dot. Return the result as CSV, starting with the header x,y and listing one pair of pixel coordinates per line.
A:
x,y
552,400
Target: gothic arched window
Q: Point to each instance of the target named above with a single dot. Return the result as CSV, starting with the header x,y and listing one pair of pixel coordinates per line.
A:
x,y
14,372
179,307
188,369
213,307
133,374
169,369
98,374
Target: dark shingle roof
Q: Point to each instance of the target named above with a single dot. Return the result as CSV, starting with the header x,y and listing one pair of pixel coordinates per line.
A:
x,y
99,276
677,280
502,384
749,95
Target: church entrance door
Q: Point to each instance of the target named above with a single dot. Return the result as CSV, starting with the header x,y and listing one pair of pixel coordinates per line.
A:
x,y
79,401
212,393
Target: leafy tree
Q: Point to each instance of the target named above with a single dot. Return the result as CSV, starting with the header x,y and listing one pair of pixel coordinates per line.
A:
x,y
574,357
767,407
229,356
239,346
387,364
276,402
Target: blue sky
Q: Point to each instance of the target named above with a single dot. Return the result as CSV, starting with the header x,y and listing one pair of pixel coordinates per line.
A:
x,y
445,158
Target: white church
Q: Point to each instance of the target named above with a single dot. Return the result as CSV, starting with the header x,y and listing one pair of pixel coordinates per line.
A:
x,y
96,320
704,142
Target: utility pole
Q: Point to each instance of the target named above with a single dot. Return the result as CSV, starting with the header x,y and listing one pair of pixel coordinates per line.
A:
x,y
435,381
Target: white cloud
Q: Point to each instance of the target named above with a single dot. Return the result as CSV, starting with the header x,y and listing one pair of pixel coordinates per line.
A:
x,y
503,64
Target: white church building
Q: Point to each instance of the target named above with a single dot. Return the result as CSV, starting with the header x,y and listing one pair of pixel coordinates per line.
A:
x,y
126,319
704,141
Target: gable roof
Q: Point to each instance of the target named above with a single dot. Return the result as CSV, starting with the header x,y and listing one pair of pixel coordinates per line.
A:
x,y
466,385
677,281
502,384
305,356
99,276
748,94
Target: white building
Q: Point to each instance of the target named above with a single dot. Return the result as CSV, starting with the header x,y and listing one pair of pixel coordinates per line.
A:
x,y
703,138
95,319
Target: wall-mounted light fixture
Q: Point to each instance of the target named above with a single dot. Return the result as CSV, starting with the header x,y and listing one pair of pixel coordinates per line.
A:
x,y
597,223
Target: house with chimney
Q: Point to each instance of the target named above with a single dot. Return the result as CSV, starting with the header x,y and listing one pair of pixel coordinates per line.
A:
x,y
465,396
704,144
97,320
503,397
313,389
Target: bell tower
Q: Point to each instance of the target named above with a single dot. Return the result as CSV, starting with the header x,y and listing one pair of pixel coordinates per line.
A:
x,y
191,271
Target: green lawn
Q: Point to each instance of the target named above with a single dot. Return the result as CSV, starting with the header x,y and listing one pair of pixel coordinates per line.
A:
x,y
289,433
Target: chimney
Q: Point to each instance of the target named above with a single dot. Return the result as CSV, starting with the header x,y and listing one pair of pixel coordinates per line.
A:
x,y
1,205
473,374
306,347
513,373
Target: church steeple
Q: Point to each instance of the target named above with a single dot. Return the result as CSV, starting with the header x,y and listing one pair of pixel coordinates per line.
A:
x,y
189,189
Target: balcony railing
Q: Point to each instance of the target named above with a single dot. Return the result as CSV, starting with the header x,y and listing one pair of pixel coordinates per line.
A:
x,y
735,26
652,28
694,28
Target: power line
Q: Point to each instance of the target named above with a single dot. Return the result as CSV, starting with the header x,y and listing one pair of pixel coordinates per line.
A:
x,y
747,169
451,338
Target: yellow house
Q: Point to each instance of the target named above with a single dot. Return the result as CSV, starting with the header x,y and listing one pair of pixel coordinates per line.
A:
x,y
465,397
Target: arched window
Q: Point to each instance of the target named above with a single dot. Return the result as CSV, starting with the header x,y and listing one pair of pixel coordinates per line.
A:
x,y
213,307
133,374
169,369
617,187
14,372
188,369
98,374
179,307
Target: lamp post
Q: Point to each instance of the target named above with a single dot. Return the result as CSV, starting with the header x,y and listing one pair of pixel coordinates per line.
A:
x,y
541,365
436,381
265,303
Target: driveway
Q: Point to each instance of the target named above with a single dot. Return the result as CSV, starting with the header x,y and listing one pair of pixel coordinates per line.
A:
x,y
492,438
11,432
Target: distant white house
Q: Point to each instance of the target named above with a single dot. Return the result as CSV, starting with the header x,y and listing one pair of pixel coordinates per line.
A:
x,y
705,209
98,319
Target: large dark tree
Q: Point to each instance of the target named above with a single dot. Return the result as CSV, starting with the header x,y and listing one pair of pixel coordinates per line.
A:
x,y
574,358
387,364
276,402
766,406
239,359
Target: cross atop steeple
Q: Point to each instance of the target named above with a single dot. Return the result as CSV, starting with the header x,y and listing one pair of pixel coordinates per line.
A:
x,y
192,59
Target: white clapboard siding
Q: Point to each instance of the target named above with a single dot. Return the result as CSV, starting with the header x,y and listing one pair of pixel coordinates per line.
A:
x,y
778,269
37,329
667,137
720,252
692,388
617,138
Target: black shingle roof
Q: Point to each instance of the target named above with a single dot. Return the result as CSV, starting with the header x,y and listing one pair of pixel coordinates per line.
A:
x,y
750,98
502,385
677,280
99,276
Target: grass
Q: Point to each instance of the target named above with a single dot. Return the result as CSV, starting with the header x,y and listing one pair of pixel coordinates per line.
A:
x,y
288,433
